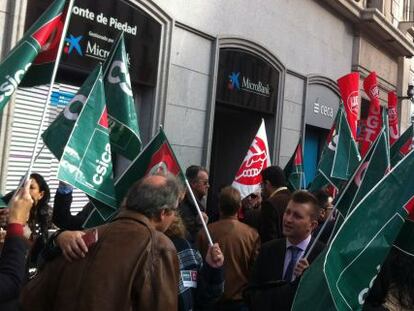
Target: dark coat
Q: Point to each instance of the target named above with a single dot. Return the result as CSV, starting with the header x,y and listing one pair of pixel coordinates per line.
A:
x,y
62,216
131,267
271,216
266,289
12,271
189,215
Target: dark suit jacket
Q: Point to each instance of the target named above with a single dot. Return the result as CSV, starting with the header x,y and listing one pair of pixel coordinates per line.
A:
x,y
266,289
272,216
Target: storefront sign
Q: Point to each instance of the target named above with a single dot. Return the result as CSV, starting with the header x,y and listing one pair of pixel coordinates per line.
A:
x,y
247,81
321,106
95,25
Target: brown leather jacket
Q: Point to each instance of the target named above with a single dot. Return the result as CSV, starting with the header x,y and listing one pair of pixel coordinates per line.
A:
x,y
240,245
131,267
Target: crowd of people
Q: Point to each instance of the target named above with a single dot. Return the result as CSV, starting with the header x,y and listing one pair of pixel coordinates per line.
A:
x,y
155,254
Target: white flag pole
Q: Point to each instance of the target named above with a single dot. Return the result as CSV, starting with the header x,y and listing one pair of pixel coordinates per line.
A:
x,y
210,241
52,82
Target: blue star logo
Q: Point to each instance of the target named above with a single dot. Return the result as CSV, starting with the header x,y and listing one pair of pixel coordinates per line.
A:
x,y
73,44
234,80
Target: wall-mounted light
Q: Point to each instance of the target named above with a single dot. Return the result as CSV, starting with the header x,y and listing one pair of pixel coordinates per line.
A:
x,y
410,93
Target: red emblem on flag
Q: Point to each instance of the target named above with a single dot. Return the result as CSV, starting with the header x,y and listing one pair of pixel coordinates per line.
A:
x,y
162,162
349,86
393,117
48,37
253,164
103,120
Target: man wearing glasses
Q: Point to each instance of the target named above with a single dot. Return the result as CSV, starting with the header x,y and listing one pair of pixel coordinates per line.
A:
x,y
198,179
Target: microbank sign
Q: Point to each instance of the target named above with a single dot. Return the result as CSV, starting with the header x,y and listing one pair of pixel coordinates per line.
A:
x,y
247,81
247,85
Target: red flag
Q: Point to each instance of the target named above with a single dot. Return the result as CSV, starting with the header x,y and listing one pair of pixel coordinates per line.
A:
x,y
349,88
373,124
393,117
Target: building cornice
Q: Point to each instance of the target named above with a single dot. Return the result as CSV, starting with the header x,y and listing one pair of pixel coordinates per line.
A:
x,y
372,22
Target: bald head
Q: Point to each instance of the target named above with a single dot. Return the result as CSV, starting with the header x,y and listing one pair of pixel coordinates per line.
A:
x,y
153,194
155,180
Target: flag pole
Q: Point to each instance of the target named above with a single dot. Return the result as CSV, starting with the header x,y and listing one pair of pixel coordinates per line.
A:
x,y
210,241
310,249
52,82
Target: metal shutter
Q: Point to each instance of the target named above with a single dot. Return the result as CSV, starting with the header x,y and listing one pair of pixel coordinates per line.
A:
x,y
26,120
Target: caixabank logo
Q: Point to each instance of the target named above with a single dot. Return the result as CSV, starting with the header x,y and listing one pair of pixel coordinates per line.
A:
x,y
259,88
72,43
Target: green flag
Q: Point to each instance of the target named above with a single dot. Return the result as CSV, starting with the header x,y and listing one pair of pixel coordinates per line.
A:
x,y
156,157
57,134
124,130
340,156
313,284
405,239
294,172
2,203
369,172
347,156
14,67
86,162
361,245
364,240
402,146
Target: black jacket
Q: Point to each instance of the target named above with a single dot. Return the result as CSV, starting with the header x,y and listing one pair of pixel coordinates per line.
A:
x,y
62,216
266,289
271,216
189,214
12,271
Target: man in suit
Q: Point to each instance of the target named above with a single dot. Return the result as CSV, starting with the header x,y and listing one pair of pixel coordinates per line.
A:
x,y
281,262
275,199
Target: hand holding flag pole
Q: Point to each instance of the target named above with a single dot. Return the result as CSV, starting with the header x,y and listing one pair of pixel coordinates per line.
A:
x,y
52,82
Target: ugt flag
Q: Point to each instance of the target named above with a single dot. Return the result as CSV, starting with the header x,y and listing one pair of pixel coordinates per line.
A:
x,y
402,146
373,123
341,276
248,177
294,172
349,88
393,117
57,134
157,157
86,162
124,131
14,67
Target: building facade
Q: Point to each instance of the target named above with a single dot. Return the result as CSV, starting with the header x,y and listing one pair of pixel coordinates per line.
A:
x,y
209,71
